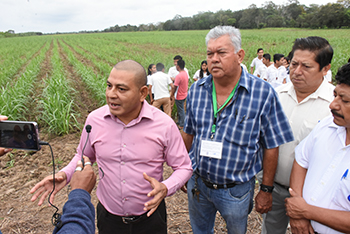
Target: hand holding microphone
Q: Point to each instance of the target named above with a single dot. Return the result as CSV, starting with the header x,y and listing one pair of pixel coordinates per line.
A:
x,y
83,178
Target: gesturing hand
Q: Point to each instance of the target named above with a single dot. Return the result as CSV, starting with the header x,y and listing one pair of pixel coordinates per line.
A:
x,y
45,186
159,192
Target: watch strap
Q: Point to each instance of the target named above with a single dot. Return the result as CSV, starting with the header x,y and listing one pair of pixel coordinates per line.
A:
x,y
266,188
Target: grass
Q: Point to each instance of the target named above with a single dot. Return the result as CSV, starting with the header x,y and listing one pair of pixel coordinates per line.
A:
x,y
56,100
92,56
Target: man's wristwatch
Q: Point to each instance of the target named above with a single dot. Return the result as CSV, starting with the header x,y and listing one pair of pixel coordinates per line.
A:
x,y
266,189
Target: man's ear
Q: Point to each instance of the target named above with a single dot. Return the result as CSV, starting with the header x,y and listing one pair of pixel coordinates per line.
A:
x,y
240,54
143,92
325,69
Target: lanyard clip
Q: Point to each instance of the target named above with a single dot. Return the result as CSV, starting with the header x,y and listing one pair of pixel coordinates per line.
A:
x,y
213,129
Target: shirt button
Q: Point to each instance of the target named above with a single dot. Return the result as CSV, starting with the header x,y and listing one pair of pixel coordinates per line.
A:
x,y
312,199
122,163
124,145
123,181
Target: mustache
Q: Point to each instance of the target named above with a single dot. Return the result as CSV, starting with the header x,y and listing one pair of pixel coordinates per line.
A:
x,y
337,114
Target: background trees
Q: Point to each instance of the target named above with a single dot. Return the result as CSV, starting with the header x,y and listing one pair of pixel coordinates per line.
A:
x,y
292,14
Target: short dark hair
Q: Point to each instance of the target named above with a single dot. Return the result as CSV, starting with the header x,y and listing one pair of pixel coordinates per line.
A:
x,y
277,57
177,57
181,64
320,46
160,66
259,50
267,57
343,75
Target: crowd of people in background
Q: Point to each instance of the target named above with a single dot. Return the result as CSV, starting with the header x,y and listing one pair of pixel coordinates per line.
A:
x,y
285,126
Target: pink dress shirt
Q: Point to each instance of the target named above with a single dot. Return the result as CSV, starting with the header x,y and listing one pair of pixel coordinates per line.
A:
x,y
124,152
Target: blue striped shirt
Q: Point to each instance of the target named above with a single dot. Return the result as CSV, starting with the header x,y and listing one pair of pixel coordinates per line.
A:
x,y
253,120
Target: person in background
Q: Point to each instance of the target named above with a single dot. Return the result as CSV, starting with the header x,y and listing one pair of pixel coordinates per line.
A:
x,y
181,87
257,61
173,72
203,72
150,71
130,141
328,76
160,83
244,67
234,125
286,65
305,101
320,181
276,74
78,212
266,63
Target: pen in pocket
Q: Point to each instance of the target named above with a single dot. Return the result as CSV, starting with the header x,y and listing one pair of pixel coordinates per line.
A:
x,y
345,174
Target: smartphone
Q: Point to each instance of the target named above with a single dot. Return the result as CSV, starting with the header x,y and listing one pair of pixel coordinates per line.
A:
x,y
19,135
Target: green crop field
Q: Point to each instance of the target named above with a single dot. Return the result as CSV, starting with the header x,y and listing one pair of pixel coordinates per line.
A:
x,y
51,78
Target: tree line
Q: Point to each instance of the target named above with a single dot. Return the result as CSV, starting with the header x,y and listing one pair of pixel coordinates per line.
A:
x,y
269,15
293,14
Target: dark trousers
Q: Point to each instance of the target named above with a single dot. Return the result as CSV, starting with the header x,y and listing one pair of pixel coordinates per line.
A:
x,y
108,223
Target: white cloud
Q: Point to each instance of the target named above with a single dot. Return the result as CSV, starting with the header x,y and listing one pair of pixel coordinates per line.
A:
x,y
68,16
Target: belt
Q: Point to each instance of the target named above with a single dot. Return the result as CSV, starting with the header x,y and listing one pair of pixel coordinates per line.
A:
x,y
133,219
283,186
216,186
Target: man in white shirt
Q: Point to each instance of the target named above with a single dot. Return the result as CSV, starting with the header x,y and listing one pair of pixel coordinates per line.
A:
x,y
257,61
274,74
305,101
320,179
328,76
266,63
173,72
160,83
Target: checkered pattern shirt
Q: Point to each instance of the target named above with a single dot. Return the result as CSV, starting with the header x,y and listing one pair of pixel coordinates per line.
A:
x,y
253,120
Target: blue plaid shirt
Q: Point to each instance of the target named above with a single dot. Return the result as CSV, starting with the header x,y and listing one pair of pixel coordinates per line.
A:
x,y
253,120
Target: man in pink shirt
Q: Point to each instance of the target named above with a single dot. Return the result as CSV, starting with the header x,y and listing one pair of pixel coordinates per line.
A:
x,y
130,140
181,86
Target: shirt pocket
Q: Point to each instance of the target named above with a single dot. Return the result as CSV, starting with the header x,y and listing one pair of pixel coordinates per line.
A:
x,y
241,131
342,195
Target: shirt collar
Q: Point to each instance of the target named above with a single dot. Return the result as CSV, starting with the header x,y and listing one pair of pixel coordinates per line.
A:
x,y
146,112
243,81
322,91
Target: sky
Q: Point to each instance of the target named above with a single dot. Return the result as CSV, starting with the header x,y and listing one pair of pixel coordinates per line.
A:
x,y
51,16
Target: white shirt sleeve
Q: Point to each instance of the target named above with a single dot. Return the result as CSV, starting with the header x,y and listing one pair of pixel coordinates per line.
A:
x,y
196,75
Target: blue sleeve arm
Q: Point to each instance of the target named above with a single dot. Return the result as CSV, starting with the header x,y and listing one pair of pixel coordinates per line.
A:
x,y
78,214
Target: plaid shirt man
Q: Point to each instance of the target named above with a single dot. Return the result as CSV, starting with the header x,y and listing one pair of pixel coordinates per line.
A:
x,y
253,120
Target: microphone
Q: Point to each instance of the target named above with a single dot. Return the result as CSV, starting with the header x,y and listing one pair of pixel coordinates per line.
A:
x,y
88,130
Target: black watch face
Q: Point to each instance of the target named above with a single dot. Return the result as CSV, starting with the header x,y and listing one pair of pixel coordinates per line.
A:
x,y
265,189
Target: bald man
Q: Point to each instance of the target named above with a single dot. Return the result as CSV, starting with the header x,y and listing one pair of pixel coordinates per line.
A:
x,y
130,140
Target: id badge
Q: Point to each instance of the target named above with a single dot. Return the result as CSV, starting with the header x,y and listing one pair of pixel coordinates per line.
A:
x,y
211,149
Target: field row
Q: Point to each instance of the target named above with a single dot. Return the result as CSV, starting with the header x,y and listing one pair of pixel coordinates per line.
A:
x,y
39,75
